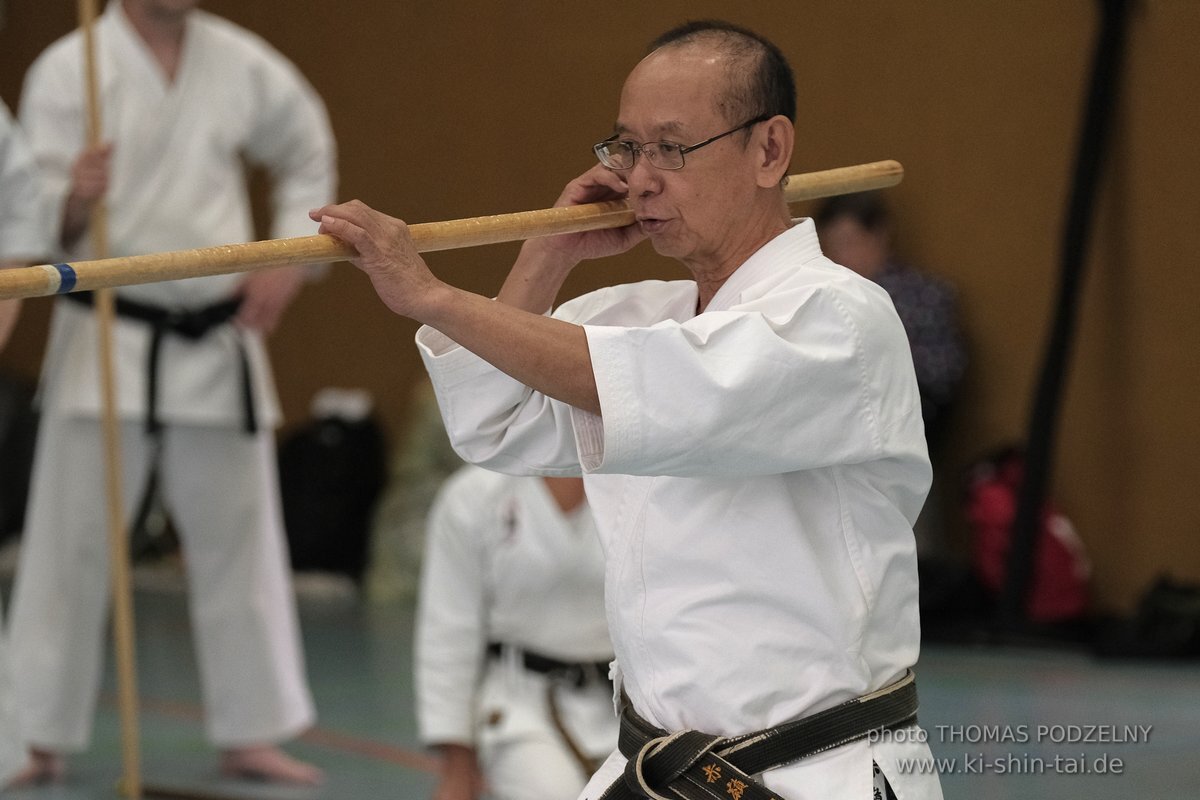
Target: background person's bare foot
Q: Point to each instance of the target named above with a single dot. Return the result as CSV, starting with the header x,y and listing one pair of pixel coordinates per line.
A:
x,y
43,766
267,762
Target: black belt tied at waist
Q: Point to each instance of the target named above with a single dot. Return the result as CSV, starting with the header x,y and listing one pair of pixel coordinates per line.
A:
x,y
573,673
190,324
690,765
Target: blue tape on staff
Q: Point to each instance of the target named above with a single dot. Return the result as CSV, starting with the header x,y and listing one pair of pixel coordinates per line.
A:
x,y
66,278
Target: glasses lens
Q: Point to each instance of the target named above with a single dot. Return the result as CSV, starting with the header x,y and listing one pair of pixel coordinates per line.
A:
x,y
664,155
615,154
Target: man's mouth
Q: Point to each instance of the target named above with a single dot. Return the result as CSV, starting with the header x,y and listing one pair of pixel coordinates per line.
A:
x,y
651,225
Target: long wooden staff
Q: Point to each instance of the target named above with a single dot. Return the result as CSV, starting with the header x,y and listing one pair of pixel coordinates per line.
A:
x,y
118,543
49,279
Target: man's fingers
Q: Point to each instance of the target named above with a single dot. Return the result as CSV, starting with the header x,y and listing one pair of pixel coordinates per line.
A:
x,y
598,183
354,211
614,182
347,231
353,222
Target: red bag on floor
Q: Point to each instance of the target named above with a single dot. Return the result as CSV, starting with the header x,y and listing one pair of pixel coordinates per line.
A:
x,y
1061,574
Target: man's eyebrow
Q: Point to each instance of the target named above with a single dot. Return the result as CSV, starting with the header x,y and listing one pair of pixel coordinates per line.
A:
x,y
665,128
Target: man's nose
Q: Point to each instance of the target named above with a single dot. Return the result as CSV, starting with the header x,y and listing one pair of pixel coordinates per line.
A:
x,y
643,178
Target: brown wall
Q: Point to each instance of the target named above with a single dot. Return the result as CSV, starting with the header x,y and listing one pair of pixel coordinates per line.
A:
x,y
457,109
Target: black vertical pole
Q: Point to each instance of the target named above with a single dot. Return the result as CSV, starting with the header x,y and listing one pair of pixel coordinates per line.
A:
x,y
1043,422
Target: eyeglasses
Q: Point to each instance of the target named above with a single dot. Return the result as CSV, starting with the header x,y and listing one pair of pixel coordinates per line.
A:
x,y
617,153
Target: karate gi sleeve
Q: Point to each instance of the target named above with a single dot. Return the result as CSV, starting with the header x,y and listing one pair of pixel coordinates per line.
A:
x,y
293,139
802,380
493,420
26,218
52,120
451,625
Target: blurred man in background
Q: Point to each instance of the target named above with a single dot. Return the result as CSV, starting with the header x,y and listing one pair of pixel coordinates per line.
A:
x,y
187,99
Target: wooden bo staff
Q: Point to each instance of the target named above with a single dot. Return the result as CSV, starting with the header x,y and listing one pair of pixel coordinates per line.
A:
x,y
48,279
118,542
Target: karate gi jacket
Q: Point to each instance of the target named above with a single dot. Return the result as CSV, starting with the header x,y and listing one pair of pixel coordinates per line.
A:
x,y
754,475
177,181
502,564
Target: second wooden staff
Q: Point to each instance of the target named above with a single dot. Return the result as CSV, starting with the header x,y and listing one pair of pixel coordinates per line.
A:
x,y
47,279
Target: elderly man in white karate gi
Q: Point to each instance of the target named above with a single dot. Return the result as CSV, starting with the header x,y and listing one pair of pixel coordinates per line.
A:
x,y
512,648
750,440
187,98
26,234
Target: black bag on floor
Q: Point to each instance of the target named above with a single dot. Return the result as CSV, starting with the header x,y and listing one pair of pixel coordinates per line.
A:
x,y
1166,625
18,432
331,472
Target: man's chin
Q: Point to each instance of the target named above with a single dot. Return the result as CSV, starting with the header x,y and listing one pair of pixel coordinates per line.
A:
x,y
664,246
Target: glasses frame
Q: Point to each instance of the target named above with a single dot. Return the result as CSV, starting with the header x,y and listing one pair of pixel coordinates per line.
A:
x,y
638,147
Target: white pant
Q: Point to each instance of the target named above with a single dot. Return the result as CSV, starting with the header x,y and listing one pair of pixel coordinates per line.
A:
x,y
12,750
221,486
521,753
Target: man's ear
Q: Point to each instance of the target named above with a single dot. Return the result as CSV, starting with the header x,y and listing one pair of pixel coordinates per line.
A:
x,y
776,137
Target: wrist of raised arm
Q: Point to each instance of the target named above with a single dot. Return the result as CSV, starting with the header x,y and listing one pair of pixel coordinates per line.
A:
x,y
538,259
535,279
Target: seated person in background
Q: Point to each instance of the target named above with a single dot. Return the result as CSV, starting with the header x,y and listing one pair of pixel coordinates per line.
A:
x,y
512,648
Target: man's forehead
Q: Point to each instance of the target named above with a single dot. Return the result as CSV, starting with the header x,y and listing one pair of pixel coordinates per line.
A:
x,y
664,128
677,114
675,90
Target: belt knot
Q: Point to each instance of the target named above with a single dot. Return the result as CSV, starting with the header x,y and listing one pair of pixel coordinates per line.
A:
x,y
662,760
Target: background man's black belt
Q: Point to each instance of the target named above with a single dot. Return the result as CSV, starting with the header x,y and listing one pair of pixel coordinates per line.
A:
x,y
190,324
574,673
690,765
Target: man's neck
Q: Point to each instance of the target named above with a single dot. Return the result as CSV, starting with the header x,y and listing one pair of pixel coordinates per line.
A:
x,y
161,30
712,275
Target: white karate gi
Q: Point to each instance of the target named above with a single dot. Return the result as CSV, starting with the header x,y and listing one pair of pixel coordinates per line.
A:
x,y
26,218
25,235
754,479
177,181
12,747
504,564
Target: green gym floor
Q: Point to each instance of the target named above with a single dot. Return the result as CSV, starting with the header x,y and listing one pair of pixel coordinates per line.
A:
x,y
1007,722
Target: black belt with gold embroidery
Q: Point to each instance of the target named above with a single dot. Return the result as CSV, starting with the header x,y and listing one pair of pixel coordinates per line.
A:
x,y
690,765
